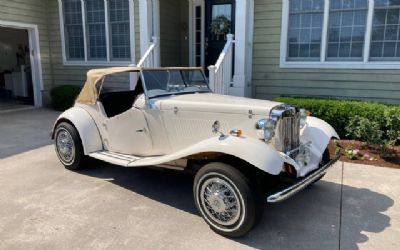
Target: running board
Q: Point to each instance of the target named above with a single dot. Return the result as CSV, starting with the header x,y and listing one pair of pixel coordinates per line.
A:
x,y
114,158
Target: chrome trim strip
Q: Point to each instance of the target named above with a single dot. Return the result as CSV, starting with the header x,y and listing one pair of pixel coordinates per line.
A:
x,y
295,188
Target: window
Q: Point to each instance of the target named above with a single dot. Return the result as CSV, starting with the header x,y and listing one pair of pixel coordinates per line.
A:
x,y
198,36
119,29
73,30
173,82
305,29
385,41
346,30
341,33
97,31
117,82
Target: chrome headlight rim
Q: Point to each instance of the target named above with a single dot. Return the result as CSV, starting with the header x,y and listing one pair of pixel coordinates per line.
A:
x,y
267,125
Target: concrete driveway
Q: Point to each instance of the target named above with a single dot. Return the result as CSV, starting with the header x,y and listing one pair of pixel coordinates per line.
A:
x,y
44,206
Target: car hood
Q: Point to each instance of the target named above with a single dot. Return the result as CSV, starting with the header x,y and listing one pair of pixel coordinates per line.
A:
x,y
209,102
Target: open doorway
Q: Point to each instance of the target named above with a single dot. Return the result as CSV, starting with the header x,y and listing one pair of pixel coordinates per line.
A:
x,y
16,86
21,80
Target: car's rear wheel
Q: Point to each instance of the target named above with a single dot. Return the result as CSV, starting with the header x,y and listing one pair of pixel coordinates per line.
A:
x,y
68,146
225,199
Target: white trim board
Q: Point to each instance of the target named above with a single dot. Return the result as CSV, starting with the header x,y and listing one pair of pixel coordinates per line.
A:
x,y
36,63
107,62
192,32
365,63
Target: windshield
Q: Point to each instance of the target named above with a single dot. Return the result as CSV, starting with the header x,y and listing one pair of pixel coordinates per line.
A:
x,y
165,82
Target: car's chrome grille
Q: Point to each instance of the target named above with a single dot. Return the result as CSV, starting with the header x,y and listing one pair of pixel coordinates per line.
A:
x,y
287,133
290,127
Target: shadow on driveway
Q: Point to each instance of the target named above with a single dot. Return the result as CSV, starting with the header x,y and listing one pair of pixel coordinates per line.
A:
x,y
25,130
309,220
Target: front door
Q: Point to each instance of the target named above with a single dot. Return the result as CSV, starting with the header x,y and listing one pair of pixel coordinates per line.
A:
x,y
220,21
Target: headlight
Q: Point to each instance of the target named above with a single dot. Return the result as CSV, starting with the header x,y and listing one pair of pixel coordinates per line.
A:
x,y
303,117
266,123
268,127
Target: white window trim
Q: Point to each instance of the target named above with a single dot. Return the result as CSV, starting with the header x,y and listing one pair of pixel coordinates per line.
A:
x,y
323,64
87,62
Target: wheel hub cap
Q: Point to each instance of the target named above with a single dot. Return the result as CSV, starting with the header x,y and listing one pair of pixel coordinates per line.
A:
x,y
220,201
217,203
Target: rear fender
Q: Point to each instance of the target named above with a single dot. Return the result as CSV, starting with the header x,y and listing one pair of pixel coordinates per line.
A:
x,y
86,126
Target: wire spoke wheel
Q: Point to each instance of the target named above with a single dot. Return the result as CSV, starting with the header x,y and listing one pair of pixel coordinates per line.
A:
x,y
226,200
220,201
65,146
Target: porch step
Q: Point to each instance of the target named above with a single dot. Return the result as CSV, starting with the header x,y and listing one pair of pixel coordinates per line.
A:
x,y
114,158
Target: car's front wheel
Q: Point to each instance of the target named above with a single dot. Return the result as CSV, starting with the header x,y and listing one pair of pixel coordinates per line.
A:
x,y
225,199
68,146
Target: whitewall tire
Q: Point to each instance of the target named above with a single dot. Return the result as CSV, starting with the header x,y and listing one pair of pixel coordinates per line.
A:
x,y
225,199
68,146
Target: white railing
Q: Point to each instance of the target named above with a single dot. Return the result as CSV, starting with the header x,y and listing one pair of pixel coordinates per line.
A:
x,y
220,74
150,58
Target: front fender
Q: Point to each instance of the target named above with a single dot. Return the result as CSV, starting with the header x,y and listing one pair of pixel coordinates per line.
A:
x,y
253,151
86,126
318,132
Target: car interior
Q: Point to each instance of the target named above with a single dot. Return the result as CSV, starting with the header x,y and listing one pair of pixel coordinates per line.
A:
x,y
117,102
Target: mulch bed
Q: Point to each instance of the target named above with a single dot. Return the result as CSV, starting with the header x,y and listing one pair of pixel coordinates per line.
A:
x,y
370,155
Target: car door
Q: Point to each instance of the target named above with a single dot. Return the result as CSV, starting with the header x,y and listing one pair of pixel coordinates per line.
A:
x,y
125,126
128,133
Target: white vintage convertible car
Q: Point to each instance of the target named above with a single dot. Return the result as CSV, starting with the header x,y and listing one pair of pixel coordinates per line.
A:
x,y
245,152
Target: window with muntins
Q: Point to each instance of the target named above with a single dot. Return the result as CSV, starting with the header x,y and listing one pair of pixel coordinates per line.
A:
x,y
346,29
305,29
74,40
97,31
341,33
385,41
119,29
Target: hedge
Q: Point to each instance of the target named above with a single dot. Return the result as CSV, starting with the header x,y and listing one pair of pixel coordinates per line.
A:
x,y
63,96
338,113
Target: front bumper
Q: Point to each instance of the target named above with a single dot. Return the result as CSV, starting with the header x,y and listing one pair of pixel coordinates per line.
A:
x,y
303,183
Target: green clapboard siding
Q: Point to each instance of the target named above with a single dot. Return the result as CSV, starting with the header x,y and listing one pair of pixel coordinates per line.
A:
x,y
31,12
269,80
75,75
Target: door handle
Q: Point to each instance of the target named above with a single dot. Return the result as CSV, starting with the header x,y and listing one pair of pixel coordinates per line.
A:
x,y
140,130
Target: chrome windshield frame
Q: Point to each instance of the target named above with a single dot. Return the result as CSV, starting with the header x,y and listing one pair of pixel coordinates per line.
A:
x,y
147,97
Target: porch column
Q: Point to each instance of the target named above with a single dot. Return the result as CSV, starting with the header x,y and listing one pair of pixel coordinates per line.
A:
x,y
243,41
149,15
156,31
146,25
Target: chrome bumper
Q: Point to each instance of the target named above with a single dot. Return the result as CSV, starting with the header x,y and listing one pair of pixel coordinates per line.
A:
x,y
298,186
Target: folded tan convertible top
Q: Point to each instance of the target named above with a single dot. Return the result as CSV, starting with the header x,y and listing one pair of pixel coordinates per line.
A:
x,y
89,93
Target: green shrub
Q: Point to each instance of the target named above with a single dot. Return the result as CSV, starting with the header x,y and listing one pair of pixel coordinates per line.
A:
x,y
392,123
361,128
339,113
63,96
